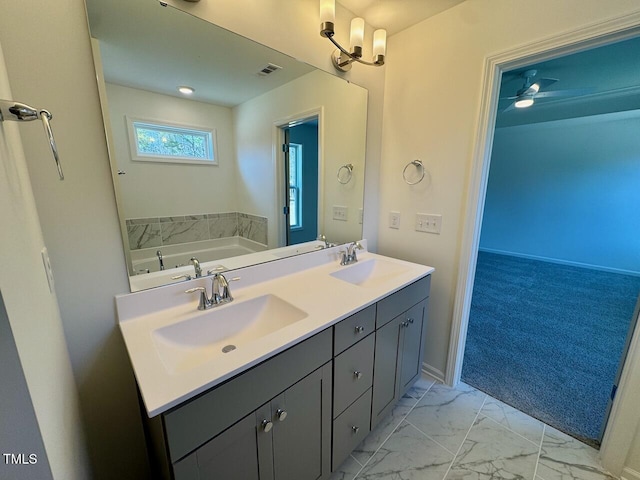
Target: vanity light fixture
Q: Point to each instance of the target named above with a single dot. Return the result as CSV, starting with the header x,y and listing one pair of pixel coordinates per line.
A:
x,y
186,90
342,58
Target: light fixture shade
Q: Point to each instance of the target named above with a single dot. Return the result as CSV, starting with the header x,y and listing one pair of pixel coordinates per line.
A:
x,y
379,43
524,102
357,34
327,11
186,90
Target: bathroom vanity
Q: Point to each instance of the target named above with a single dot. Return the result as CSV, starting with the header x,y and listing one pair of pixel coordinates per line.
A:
x,y
295,401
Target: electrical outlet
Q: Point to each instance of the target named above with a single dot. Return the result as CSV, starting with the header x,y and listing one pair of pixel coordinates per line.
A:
x,y
340,213
394,220
360,216
428,223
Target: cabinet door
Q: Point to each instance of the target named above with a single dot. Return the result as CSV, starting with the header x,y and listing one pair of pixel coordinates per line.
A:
x,y
302,428
232,454
413,345
385,369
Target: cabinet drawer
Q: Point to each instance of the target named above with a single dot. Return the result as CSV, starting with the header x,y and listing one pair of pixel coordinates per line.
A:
x,y
352,374
353,329
396,303
350,428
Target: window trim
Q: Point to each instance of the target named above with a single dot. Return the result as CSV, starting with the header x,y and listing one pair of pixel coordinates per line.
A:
x,y
136,156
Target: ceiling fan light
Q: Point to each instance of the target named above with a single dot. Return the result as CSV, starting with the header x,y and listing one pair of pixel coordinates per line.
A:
x,y
523,102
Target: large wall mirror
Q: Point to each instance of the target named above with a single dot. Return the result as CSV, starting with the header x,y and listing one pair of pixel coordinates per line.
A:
x,y
206,174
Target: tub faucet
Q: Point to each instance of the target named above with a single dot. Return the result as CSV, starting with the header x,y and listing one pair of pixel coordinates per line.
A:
x,y
349,256
159,254
196,266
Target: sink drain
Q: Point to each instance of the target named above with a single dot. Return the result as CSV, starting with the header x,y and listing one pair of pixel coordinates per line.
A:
x,y
228,348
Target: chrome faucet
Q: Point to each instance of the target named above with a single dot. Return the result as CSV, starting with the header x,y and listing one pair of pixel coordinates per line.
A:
x,y
349,256
220,292
159,254
327,244
196,266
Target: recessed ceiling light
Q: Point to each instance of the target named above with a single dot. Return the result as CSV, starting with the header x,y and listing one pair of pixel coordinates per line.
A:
x,y
186,90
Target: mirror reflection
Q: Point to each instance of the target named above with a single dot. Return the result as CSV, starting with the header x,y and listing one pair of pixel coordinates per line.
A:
x,y
259,157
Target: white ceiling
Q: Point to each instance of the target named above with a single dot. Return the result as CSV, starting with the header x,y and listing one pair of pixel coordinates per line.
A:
x,y
144,45
397,15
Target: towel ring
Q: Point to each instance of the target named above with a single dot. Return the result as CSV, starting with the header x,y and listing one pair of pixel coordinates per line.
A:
x,y
349,168
418,164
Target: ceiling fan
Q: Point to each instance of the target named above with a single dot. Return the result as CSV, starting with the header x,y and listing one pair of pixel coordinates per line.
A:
x,y
532,90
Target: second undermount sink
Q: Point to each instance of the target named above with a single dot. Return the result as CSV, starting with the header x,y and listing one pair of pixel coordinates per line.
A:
x,y
370,272
192,342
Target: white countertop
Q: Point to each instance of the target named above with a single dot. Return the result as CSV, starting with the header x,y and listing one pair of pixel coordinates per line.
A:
x,y
304,281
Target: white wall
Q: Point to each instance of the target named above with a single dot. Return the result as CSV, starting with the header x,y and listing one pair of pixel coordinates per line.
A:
x,y
165,189
52,67
567,191
34,318
343,139
432,100
296,33
431,111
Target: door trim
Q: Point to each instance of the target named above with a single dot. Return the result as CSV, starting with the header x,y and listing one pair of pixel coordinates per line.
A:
x,y
618,435
278,140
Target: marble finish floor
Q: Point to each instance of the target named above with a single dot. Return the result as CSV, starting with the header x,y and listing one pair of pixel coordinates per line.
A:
x,y
439,433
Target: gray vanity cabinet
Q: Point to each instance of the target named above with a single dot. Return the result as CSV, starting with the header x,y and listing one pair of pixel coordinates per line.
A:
x,y
281,440
400,338
272,422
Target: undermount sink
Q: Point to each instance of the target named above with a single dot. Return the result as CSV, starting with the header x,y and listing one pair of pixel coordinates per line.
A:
x,y
192,342
369,273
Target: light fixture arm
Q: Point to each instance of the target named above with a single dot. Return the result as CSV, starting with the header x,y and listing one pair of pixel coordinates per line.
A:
x,y
342,58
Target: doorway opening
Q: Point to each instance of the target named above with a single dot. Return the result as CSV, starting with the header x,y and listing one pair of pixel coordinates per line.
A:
x,y
300,180
557,275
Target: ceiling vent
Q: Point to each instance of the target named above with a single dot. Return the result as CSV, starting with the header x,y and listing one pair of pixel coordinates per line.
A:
x,y
269,69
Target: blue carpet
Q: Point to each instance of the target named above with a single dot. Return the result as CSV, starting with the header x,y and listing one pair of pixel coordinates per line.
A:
x,y
547,338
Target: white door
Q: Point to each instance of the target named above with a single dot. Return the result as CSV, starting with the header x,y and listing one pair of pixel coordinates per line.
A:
x,y
34,321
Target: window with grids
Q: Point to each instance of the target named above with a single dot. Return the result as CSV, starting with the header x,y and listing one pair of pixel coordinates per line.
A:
x,y
295,185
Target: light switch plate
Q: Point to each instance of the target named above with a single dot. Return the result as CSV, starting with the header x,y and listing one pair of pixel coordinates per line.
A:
x,y
394,220
340,213
429,223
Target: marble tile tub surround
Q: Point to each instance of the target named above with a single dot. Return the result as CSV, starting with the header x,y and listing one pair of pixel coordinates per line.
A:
x,y
439,433
162,231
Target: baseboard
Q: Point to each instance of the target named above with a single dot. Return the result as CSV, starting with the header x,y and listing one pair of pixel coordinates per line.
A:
x,y
436,373
629,474
561,262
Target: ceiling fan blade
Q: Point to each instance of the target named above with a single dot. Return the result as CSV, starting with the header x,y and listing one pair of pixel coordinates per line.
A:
x,y
512,106
546,82
578,92
509,98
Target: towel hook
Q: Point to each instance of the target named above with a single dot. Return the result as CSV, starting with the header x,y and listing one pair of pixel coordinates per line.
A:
x,y
348,167
418,164
20,112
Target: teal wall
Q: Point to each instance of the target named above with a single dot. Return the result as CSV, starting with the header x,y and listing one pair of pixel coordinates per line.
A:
x,y
567,191
307,136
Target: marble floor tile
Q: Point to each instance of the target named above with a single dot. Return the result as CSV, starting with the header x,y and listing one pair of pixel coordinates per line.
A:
x,y
565,458
490,451
381,432
408,455
513,419
348,470
446,414
423,384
